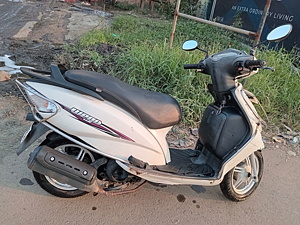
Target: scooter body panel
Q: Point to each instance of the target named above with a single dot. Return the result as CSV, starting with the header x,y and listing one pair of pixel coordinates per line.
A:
x,y
253,145
134,138
106,127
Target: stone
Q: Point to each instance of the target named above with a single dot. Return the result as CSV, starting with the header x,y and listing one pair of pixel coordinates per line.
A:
x,y
291,153
194,132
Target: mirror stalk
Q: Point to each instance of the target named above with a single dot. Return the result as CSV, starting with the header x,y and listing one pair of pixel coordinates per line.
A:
x,y
206,52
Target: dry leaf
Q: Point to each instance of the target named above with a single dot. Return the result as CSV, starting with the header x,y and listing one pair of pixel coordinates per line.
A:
x,y
4,76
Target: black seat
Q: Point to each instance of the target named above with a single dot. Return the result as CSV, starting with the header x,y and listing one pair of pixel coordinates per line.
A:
x,y
155,110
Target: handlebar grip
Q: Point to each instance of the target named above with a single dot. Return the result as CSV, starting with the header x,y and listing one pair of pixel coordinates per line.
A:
x,y
254,63
193,66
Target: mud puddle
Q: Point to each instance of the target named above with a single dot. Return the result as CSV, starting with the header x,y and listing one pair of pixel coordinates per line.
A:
x,y
24,53
8,65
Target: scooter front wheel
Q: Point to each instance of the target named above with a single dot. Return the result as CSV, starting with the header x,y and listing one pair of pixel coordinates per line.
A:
x,y
240,182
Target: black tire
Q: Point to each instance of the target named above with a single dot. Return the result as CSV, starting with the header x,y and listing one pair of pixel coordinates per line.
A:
x,y
238,184
51,185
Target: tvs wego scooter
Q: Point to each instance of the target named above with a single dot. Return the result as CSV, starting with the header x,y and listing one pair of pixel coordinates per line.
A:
x,y
106,136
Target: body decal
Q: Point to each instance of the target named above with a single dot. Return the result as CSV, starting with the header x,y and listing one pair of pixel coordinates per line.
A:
x,y
94,122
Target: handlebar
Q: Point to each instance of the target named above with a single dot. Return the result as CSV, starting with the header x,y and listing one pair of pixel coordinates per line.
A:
x,y
194,66
254,63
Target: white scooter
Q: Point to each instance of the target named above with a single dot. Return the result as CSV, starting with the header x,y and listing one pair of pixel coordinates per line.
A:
x,y
106,136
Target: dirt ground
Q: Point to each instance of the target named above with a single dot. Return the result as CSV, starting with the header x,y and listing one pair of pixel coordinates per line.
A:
x,y
35,39
47,25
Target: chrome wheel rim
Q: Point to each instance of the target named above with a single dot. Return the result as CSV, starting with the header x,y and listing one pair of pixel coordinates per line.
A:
x,y
78,153
243,178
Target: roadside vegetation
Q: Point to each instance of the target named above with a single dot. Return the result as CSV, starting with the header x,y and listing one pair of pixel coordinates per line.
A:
x,y
136,49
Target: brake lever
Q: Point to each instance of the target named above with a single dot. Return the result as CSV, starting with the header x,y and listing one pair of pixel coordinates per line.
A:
x,y
268,68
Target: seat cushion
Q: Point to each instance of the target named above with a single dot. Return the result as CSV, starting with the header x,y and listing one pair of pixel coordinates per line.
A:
x,y
156,110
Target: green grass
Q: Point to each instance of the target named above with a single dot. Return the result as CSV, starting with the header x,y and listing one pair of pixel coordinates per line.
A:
x,y
155,69
147,61
278,91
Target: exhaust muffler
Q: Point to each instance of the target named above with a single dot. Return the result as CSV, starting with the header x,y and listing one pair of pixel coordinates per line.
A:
x,y
63,168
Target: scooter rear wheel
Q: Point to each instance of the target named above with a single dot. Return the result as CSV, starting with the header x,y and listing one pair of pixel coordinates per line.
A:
x,y
240,182
51,185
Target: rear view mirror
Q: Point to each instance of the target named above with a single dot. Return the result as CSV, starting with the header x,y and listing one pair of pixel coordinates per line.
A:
x,y
280,33
190,45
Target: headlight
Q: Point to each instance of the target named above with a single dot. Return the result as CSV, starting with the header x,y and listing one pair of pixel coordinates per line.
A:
x,y
39,102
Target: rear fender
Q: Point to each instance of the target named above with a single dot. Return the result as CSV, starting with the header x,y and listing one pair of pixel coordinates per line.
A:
x,y
36,131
